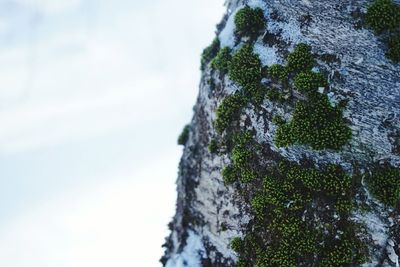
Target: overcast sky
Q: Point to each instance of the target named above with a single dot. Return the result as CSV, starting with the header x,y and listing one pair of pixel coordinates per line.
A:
x,y
93,96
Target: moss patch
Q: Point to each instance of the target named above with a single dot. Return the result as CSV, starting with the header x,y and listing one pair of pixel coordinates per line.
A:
x,y
184,136
245,67
315,123
278,72
228,111
209,53
213,146
222,60
393,52
309,81
249,22
301,59
243,155
384,184
383,16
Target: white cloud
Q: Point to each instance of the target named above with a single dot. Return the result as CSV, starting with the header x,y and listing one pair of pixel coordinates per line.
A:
x,y
135,71
50,7
4,25
114,224
136,68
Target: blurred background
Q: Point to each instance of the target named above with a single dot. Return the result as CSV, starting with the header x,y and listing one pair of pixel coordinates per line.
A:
x,y
94,94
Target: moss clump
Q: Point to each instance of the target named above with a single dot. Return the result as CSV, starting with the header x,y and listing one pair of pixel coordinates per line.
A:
x,y
393,44
184,136
383,16
344,249
213,146
300,59
249,22
275,96
384,184
293,187
237,244
278,120
243,158
278,72
297,242
228,111
316,123
255,93
245,67
222,60
344,205
309,82
234,173
229,174
209,53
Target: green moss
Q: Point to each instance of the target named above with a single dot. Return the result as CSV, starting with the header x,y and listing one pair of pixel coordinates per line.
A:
x,y
279,235
300,59
249,22
384,184
309,82
293,187
209,53
213,146
222,60
275,96
233,173
333,181
383,15
242,156
255,93
316,123
184,136
344,250
245,67
228,111
344,206
224,227
393,44
296,242
229,174
278,120
286,195
237,244
278,72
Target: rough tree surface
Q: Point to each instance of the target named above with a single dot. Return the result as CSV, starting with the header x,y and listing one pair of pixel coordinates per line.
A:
x,y
209,213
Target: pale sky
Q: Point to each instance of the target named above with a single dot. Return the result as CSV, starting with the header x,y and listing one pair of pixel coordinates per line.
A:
x,y
93,96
